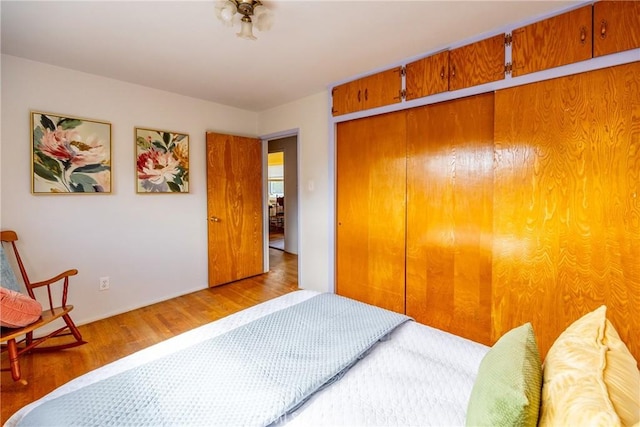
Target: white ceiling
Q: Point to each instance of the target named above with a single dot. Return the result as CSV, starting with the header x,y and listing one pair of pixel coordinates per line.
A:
x,y
180,46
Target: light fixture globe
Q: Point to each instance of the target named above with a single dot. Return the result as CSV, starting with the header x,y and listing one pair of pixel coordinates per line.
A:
x,y
246,29
253,12
262,18
225,11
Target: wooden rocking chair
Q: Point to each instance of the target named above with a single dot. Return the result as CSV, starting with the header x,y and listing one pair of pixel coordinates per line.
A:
x,y
21,340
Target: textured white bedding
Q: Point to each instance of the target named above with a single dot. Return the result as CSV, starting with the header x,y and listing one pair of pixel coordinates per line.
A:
x,y
420,376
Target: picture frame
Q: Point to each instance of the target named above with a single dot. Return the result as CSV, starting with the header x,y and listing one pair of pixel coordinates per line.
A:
x,y
162,161
69,155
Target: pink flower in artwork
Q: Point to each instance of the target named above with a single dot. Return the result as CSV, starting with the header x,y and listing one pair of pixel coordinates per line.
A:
x,y
57,143
65,145
157,167
88,153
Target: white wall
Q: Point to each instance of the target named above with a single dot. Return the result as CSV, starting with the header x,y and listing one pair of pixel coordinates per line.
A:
x,y
153,247
310,116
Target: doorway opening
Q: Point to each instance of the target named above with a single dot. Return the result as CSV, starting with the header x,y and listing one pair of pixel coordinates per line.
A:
x,y
281,198
276,190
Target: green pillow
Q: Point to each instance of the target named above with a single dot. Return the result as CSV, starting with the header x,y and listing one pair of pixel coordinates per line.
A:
x,y
507,389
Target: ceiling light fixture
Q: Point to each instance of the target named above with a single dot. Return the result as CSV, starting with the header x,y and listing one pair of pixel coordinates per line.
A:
x,y
248,13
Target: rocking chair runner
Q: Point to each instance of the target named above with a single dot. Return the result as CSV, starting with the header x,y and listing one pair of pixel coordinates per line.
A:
x,y
15,346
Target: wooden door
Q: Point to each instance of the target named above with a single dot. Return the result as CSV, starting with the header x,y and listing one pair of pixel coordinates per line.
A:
x,y
428,76
234,208
567,203
556,41
449,215
616,26
370,210
477,63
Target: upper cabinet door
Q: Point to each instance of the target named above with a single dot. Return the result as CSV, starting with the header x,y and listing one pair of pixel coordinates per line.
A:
x,y
346,98
560,40
376,90
428,76
616,26
477,63
382,88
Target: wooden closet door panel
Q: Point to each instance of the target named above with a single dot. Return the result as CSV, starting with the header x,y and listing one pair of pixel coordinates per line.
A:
x,y
556,41
449,215
567,202
616,26
371,203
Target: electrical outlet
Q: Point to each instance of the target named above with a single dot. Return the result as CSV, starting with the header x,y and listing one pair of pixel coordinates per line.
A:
x,y
104,283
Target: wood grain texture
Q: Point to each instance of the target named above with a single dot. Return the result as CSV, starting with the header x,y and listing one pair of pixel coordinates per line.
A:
x,y
346,98
372,91
234,207
118,336
616,26
449,215
556,41
428,76
382,88
370,210
477,63
567,204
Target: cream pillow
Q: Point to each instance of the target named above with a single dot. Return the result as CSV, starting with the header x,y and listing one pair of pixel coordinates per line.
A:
x,y
622,378
590,377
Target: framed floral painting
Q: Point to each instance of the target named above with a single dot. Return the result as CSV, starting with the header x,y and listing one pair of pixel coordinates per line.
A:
x,y
70,155
162,161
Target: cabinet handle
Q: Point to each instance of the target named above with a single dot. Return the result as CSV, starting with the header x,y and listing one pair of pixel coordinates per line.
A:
x,y
442,73
453,71
358,95
603,29
366,94
583,35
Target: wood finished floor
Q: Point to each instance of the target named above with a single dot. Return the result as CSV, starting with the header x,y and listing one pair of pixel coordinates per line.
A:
x,y
118,336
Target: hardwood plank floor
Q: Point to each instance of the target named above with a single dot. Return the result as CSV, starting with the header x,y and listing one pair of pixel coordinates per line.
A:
x,y
118,336
276,240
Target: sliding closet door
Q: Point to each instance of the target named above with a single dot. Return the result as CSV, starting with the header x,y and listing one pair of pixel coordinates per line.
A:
x,y
370,205
449,215
567,202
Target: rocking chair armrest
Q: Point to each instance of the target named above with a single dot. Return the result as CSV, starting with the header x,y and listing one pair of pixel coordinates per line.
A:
x,y
63,275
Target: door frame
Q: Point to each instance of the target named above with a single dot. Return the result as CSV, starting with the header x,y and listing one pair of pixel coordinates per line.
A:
x,y
265,191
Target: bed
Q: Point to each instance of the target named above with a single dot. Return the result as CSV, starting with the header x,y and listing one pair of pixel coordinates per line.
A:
x,y
411,374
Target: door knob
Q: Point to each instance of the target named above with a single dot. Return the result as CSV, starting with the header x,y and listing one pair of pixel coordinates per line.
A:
x,y
214,219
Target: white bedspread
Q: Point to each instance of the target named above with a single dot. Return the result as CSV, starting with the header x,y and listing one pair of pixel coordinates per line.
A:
x,y
420,376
